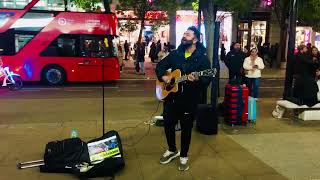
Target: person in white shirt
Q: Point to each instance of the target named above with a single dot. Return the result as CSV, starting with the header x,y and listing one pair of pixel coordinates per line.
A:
x,y
253,66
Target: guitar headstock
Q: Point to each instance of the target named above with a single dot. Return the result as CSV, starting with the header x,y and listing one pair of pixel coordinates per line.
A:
x,y
209,72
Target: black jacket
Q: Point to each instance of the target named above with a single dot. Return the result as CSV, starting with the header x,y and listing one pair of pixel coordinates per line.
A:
x,y
234,60
140,52
198,61
305,86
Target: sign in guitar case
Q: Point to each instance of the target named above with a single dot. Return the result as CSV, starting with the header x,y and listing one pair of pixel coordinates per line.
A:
x,y
207,119
106,156
236,104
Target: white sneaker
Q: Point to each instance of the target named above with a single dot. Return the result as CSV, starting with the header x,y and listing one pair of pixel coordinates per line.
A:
x,y
183,165
168,156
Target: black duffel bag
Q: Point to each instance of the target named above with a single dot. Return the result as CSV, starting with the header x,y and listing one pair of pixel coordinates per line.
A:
x,y
99,157
63,156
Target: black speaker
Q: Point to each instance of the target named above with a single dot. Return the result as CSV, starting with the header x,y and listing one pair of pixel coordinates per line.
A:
x,y
207,119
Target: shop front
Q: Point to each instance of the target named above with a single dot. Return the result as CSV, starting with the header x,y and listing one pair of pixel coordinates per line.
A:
x,y
303,35
187,18
129,27
317,40
184,19
254,31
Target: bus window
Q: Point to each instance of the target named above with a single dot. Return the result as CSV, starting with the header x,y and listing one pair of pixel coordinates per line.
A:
x,y
50,5
23,30
33,22
97,46
4,17
14,4
63,46
21,40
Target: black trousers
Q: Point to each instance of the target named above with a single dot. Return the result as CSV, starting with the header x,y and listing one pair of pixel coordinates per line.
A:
x,y
234,76
126,55
172,113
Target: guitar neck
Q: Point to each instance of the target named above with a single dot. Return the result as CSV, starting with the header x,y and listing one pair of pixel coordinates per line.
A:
x,y
181,79
185,77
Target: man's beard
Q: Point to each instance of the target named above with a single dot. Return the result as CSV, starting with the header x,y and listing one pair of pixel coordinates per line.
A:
x,y
186,43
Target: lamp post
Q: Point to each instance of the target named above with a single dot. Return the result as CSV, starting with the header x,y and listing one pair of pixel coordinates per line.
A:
x,y
291,46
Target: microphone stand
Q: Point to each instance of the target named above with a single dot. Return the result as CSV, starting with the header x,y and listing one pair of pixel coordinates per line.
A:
x,y
103,130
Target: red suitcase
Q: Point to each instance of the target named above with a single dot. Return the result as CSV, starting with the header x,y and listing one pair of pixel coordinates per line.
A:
x,y
234,105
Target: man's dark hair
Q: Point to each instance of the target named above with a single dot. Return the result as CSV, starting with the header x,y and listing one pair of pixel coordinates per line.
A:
x,y
195,31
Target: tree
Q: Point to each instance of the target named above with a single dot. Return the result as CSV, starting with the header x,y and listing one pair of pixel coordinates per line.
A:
x,y
128,26
88,5
307,14
281,9
140,8
210,8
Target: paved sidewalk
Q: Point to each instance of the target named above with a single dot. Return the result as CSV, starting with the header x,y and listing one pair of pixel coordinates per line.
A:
x,y
270,149
129,72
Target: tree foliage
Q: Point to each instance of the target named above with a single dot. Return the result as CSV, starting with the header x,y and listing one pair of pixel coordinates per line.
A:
x,y
86,4
309,13
128,26
141,7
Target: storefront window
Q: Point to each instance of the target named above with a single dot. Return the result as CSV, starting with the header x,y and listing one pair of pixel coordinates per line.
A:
x,y
244,26
243,33
14,4
258,33
317,40
303,35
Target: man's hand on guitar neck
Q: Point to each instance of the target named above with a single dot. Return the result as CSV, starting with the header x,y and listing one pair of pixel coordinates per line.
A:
x,y
192,77
166,79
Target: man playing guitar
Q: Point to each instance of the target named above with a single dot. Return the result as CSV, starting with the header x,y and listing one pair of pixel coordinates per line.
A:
x,y
189,57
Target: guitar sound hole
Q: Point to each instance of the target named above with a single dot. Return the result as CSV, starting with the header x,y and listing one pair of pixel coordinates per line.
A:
x,y
168,87
173,80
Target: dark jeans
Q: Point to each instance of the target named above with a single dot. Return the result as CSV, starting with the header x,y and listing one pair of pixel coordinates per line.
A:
x,y
172,113
235,76
253,84
126,55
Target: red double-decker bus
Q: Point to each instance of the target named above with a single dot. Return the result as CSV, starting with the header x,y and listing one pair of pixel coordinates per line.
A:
x,y
54,41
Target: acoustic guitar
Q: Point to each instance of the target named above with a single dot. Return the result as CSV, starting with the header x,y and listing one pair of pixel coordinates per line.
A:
x,y
163,89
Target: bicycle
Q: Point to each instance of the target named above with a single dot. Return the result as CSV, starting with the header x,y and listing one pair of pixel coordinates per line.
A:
x,y
11,80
